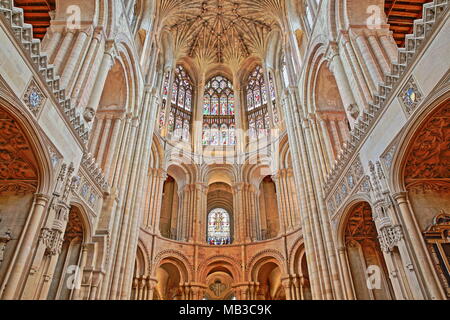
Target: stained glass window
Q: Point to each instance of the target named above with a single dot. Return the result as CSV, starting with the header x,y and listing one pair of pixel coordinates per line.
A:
x,y
180,117
258,95
219,230
218,112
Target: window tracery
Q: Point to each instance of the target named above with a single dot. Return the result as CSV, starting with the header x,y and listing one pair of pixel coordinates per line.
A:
x,y
180,115
219,124
257,98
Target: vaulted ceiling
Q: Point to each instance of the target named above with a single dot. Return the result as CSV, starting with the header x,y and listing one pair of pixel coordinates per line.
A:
x,y
401,15
37,13
221,31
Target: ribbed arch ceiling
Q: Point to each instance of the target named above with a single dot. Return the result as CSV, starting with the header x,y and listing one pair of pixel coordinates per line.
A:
x,y
221,31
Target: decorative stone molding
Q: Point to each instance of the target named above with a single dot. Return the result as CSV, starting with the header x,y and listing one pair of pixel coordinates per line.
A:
x,y
173,254
346,186
55,157
95,172
53,240
264,254
389,237
4,239
365,186
410,96
88,191
34,98
388,156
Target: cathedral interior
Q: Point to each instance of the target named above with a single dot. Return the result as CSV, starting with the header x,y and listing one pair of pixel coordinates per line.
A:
x,y
224,150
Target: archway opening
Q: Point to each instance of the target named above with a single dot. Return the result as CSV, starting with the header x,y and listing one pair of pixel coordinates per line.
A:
x,y
18,183
168,282
69,260
365,258
426,176
268,209
269,280
169,209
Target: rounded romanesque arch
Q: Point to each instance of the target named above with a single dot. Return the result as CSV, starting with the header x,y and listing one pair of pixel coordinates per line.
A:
x,y
219,263
299,272
269,254
268,272
177,258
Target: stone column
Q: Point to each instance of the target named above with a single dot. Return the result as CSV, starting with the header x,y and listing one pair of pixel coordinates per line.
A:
x,y
113,148
269,98
62,50
423,258
200,220
121,228
321,220
286,283
390,47
293,123
151,284
378,52
104,141
327,140
342,82
239,116
360,87
155,189
296,288
197,124
88,66
74,57
93,144
24,247
372,67
252,209
99,85
51,41
282,199
239,219
319,148
336,138
348,284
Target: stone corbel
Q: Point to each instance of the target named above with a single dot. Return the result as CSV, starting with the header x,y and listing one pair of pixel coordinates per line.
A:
x,y
389,237
53,237
53,240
